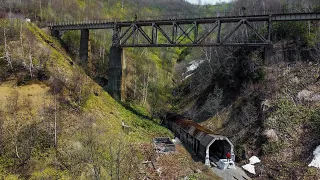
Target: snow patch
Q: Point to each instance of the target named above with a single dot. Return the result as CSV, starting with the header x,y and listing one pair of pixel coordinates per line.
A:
x,y
188,76
316,160
249,168
254,160
194,65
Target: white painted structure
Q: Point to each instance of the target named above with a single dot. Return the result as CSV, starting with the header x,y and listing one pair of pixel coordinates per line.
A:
x,y
226,164
202,141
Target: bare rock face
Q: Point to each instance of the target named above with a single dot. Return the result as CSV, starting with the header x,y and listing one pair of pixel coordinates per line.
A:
x,y
316,97
265,105
306,95
295,80
271,135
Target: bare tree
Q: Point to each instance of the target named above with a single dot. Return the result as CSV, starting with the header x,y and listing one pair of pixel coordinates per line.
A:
x,y
30,61
55,121
249,114
12,106
31,51
146,77
21,38
1,130
7,55
213,103
40,6
122,162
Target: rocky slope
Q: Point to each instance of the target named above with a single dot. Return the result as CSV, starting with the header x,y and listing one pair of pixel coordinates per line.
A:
x,y
275,118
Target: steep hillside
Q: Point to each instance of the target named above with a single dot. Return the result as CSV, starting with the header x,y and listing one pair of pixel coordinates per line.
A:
x,y
150,89
268,107
269,110
57,123
278,120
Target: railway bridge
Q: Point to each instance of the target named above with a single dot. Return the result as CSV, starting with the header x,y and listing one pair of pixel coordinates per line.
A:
x,y
176,32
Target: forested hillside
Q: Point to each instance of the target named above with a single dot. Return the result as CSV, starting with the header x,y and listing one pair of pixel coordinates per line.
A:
x,y
268,107
149,70
58,122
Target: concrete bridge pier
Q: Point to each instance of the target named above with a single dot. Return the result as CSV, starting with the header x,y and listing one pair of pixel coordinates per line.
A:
x,y
116,73
56,34
84,45
268,54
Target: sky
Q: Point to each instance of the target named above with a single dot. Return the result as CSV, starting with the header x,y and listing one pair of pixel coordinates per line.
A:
x,y
207,1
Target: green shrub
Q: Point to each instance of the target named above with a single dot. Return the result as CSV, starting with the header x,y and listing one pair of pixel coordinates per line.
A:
x,y
272,147
315,120
239,150
294,30
288,117
50,173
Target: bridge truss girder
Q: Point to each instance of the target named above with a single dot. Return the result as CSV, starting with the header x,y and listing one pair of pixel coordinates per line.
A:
x,y
184,35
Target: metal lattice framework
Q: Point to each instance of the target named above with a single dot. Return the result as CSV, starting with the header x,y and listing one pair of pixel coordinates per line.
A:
x,y
184,34
187,32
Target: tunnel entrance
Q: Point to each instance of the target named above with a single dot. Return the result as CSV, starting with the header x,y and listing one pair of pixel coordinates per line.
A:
x,y
218,150
205,143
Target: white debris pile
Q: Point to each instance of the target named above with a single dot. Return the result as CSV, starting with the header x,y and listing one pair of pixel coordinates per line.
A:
x,y
316,160
250,167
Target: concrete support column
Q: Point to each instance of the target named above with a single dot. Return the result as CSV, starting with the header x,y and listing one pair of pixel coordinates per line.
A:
x,y
56,34
84,45
268,54
116,74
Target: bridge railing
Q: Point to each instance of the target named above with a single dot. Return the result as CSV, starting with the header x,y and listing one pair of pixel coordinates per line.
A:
x,y
184,16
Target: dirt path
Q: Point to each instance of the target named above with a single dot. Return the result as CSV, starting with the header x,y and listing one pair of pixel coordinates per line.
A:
x,y
230,174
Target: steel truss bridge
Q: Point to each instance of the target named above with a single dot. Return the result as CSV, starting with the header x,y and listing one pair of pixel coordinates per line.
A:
x,y
182,32
185,32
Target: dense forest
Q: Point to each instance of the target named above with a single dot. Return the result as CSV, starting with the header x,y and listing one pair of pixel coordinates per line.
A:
x,y
58,122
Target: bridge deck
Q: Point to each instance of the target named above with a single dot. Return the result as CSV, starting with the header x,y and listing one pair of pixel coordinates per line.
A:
x,y
103,24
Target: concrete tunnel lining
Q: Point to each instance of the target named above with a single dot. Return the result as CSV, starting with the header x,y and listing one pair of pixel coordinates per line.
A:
x,y
199,138
218,148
